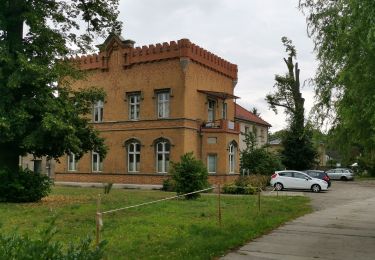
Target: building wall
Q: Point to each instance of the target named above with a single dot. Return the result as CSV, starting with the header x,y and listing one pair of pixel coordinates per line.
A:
x,y
47,167
260,132
202,78
183,128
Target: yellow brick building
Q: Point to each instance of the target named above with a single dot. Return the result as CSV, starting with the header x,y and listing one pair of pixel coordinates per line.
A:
x,y
162,101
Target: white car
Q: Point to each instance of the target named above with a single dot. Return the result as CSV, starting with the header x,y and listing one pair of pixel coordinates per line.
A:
x,y
297,180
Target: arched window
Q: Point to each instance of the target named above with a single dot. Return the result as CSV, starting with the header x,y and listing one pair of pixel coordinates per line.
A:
x,y
134,156
232,149
162,155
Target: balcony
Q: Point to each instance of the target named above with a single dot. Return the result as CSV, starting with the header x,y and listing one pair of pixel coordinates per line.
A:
x,y
221,125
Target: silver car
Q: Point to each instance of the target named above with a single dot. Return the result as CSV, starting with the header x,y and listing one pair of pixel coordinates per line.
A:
x,y
341,174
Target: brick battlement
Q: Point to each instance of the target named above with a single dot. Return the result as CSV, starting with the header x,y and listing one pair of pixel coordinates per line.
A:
x,y
181,49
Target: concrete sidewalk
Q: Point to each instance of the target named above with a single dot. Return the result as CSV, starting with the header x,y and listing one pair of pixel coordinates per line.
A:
x,y
346,231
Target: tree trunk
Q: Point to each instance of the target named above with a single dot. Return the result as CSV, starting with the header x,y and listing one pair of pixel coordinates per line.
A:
x,y
14,25
9,157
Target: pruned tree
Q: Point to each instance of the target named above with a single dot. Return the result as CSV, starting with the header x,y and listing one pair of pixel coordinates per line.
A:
x,y
288,94
298,152
37,115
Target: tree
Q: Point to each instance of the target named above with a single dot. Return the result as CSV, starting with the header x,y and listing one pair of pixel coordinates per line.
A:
x,y
37,115
258,160
255,111
298,152
343,34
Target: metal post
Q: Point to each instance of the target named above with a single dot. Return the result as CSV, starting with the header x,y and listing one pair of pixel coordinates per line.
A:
x,y
98,220
219,205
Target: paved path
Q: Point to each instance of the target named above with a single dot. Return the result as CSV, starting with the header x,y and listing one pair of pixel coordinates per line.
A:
x,y
342,227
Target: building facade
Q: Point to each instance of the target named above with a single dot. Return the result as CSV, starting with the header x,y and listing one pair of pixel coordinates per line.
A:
x,y
162,101
249,122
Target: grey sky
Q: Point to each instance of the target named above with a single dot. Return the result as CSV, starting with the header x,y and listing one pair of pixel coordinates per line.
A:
x,y
245,32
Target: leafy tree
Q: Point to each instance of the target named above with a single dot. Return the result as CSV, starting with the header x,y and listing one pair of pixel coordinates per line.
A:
x,y
37,115
344,38
298,152
258,160
189,175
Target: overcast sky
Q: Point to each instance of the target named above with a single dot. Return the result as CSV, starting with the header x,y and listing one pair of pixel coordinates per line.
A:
x,y
245,32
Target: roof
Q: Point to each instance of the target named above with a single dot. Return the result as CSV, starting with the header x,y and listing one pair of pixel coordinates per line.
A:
x,y
216,94
244,114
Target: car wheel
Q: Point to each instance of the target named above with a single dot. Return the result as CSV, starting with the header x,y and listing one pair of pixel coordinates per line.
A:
x,y
315,188
278,186
343,178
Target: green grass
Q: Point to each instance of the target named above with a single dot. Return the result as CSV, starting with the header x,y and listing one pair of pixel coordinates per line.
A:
x,y
175,229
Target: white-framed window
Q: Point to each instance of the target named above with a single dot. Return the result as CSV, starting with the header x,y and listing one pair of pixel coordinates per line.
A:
x,y
98,111
163,104
211,163
224,112
134,106
211,110
134,156
232,157
72,162
97,162
162,156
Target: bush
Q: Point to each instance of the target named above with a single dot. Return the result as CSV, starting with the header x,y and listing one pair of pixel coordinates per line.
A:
x,y
169,185
189,175
22,247
234,189
23,186
247,184
257,180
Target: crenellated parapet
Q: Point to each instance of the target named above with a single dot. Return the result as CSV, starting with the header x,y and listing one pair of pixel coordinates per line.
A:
x,y
90,62
181,49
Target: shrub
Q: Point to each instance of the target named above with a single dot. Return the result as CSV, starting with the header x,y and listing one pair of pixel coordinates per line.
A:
x,y
107,187
189,175
247,184
169,185
235,189
23,186
22,247
257,180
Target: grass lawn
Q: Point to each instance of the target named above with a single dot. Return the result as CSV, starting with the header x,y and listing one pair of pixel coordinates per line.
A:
x,y
175,229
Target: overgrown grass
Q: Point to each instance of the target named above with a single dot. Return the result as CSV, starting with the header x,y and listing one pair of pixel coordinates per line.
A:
x,y
176,229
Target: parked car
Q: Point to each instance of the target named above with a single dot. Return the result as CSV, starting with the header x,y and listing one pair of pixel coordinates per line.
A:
x,y
297,180
341,174
319,175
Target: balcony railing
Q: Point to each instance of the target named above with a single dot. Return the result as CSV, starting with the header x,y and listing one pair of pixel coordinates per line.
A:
x,y
221,125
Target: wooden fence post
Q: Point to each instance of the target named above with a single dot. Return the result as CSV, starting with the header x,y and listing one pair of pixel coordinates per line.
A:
x,y
259,200
219,205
